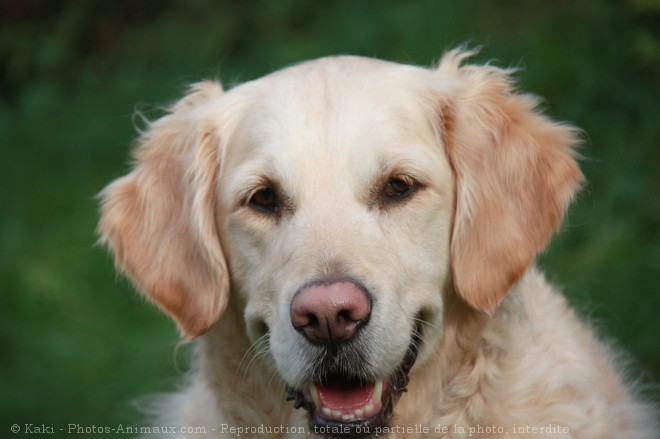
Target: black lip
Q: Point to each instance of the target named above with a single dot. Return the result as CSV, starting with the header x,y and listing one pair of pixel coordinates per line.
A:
x,y
361,428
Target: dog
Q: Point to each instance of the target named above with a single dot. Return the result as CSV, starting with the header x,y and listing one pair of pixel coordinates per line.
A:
x,y
359,237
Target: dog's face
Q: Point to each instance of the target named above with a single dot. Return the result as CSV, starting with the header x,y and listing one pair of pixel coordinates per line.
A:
x,y
342,199
341,193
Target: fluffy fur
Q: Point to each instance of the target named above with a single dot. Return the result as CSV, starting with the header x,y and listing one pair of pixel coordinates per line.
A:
x,y
493,177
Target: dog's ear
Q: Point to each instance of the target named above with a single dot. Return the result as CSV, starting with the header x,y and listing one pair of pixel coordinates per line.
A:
x,y
159,219
515,173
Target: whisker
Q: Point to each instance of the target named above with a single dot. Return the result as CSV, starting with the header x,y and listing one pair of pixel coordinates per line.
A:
x,y
254,351
259,354
425,322
273,373
249,352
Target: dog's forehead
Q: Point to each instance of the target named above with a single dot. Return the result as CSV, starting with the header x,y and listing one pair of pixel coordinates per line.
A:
x,y
331,110
340,94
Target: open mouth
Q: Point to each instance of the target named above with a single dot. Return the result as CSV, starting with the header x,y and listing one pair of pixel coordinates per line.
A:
x,y
346,406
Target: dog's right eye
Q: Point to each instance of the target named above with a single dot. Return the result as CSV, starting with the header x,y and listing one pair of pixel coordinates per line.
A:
x,y
264,200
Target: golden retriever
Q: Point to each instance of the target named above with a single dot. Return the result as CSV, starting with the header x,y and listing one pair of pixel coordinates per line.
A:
x,y
346,230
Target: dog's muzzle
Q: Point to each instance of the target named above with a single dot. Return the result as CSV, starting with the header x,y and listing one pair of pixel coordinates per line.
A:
x,y
342,399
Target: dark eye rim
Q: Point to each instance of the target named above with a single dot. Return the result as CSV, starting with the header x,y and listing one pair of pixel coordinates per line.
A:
x,y
399,187
267,207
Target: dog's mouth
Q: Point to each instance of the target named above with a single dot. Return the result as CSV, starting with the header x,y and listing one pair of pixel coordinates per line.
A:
x,y
341,405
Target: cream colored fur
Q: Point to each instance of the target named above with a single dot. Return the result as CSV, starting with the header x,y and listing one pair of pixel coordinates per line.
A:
x,y
500,348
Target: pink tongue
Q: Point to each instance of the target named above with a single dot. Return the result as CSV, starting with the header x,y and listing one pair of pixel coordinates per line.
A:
x,y
342,395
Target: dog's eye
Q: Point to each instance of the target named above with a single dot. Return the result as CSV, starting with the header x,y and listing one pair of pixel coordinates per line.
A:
x,y
399,187
264,199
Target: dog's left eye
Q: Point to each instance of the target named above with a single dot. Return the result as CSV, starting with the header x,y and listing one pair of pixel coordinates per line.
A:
x,y
399,187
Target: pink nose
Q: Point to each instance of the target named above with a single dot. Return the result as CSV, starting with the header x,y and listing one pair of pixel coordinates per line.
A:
x,y
329,313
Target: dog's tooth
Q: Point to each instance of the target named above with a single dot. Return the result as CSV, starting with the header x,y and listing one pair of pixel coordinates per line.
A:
x,y
336,414
369,409
378,391
326,411
358,413
347,417
315,396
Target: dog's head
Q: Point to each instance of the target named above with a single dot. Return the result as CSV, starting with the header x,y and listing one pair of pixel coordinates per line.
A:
x,y
341,199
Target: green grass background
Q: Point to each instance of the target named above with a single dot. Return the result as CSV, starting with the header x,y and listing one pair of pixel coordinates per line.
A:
x,y
78,346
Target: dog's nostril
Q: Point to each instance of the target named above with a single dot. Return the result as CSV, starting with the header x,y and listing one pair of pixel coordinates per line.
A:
x,y
312,320
345,314
330,312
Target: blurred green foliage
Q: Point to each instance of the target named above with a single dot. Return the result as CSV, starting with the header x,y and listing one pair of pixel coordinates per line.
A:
x,y
77,345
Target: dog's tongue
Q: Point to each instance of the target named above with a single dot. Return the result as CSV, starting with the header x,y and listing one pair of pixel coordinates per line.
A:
x,y
337,394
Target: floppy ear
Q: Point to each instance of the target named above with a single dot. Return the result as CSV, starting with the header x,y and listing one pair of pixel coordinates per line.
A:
x,y
515,176
159,219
